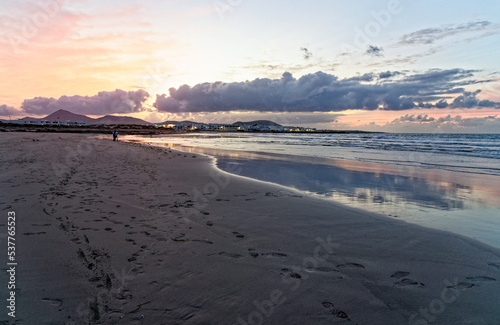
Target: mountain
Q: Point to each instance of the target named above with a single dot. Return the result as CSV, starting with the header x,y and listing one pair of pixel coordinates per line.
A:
x,y
111,119
29,118
239,123
185,122
258,122
65,116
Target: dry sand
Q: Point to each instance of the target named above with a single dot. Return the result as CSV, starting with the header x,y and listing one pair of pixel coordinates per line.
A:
x,y
118,233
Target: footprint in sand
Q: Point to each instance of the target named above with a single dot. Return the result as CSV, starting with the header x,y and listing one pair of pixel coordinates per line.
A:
x,y
408,282
95,279
230,255
53,302
251,252
238,235
400,274
108,283
334,311
321,269
130,240
76,240
182,238
351,265
463,285
274,254
480,279
84,259
34,233
204,241
290,273
495,265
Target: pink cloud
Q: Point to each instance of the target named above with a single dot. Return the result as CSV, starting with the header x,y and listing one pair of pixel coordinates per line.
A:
x,y
74,52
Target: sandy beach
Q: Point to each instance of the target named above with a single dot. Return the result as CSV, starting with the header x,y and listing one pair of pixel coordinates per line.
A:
x,y
121,233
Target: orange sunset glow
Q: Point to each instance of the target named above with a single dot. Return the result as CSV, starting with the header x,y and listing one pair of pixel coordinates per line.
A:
x,y
367,72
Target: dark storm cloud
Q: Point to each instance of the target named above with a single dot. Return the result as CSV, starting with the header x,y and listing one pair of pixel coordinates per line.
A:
x,y
430,35
323,92
105,102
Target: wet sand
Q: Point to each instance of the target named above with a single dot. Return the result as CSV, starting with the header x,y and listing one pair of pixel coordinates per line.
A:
x,y
118,233
463,203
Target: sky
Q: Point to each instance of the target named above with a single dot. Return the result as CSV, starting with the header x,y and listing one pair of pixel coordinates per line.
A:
x,y
377,65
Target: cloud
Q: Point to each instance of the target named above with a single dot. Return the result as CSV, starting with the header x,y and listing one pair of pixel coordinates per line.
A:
x,y
406,60
442,104
423,118
430,35
443,124
316,119
374,50
389,74
307,54
105,102
448,120
364,77
469,100
8,110
466,100
322,92
475,123
275,66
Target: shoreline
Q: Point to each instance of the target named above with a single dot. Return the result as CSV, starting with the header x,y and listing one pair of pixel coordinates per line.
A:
x,y
459,202
350,149
137,234
355,165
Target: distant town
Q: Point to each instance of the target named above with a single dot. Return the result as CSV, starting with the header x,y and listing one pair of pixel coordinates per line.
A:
x,y
65,121
66,118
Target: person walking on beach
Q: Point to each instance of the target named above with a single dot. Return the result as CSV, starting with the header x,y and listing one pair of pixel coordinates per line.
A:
x,y
115,135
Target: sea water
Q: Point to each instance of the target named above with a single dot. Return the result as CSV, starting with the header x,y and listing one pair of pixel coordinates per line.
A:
x,y
444,181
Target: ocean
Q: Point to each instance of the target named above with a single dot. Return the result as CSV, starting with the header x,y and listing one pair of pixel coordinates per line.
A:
x,y
444,181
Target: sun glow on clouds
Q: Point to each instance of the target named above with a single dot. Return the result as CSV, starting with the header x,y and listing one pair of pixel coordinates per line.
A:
x,y
80,52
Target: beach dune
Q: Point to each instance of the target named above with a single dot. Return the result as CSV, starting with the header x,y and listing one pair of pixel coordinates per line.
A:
x,y
122,233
